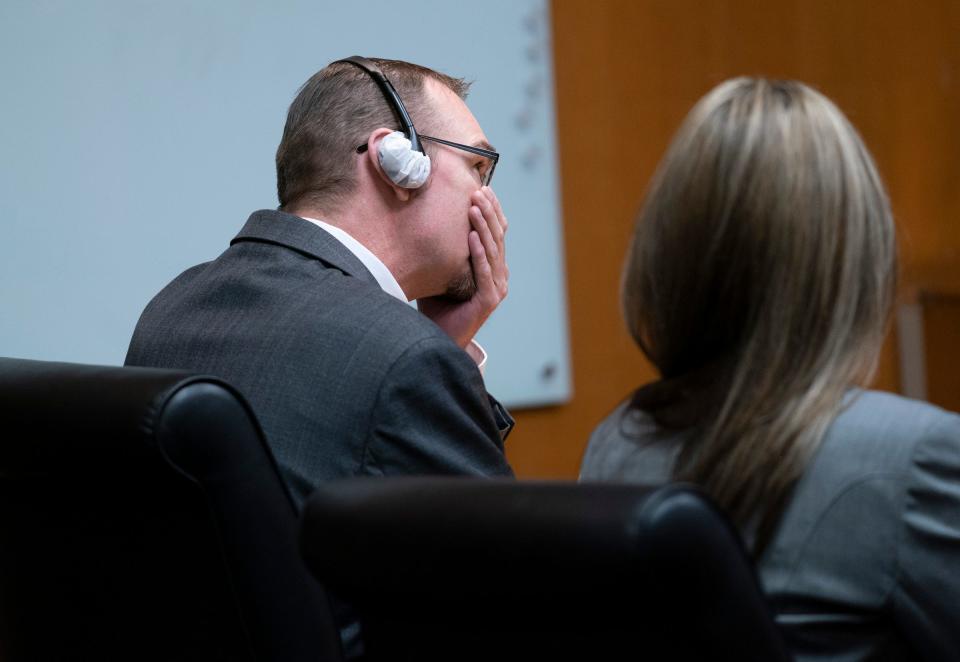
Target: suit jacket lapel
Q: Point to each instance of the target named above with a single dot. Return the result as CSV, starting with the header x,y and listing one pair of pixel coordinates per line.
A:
x,y
277,227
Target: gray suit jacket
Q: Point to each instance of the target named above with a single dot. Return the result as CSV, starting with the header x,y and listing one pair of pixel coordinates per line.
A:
x,y
865,562
345,379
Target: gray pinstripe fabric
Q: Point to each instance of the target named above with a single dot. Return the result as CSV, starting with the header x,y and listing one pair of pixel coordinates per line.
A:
x,y
345,379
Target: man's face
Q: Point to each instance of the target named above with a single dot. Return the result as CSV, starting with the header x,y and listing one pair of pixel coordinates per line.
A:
x,y
442,224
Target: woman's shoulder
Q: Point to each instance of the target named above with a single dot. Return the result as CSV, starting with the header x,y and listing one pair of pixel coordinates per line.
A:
x,y
894,403
874,520
879,450
875,420
628,446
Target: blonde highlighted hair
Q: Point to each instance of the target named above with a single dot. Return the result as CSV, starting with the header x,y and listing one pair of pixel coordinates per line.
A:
x,y
759,282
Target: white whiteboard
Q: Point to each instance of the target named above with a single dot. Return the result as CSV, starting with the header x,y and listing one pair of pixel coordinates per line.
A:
x,y
136,136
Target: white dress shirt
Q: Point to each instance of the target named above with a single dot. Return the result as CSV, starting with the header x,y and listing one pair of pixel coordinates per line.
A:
x,y
379,270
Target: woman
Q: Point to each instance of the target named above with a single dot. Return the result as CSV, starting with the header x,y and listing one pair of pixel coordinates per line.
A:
x,y
759,282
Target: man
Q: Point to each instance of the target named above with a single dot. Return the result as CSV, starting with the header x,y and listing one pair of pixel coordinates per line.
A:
x,y
305,312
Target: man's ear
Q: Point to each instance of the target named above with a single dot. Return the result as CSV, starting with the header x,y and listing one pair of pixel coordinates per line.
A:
x,y
372,154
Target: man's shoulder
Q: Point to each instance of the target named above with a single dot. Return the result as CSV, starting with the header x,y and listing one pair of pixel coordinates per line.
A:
x,y
338,314
378,320
293,306
173,292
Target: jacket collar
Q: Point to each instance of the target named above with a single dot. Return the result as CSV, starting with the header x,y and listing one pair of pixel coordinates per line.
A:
x,y
283,229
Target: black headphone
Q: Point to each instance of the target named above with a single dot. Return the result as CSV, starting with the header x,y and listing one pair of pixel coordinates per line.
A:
x,y
406,165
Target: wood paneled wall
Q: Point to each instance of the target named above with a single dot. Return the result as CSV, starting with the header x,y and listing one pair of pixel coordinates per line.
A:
x,y
626,73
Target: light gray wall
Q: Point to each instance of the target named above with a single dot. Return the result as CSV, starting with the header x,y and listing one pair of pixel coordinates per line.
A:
x,y
136,136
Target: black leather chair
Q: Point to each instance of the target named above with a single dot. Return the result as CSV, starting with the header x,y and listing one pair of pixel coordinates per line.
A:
x,y
142,518
468,569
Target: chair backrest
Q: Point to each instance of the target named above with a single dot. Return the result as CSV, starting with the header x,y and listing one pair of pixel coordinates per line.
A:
x,y
142,517
471,569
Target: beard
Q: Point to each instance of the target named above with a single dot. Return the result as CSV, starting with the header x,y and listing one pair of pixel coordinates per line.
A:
x,y
461,287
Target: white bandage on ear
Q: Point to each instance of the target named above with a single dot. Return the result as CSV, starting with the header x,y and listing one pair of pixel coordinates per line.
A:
x,y
404,166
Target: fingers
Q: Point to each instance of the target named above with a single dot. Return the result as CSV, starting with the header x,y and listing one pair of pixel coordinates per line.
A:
x,y
487,200
481,265
483,220
487,227
495,201
502,221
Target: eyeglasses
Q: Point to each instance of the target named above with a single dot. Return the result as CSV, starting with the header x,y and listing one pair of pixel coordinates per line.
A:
x,y
486,173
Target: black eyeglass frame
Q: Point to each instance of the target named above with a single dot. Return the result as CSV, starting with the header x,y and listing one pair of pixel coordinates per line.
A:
x,y
493,156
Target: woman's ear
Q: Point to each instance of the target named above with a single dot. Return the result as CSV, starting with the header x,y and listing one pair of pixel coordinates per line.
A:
x,y
372,154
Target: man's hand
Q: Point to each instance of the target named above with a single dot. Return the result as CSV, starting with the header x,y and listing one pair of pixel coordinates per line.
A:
x,y
462,319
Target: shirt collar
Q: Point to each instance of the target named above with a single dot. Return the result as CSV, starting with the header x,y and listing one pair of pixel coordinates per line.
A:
x,y
378,269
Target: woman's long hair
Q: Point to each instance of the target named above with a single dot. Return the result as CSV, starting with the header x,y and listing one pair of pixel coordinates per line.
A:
x,y
759,282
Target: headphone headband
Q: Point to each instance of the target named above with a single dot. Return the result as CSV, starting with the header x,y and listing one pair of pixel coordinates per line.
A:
x,y
392,96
